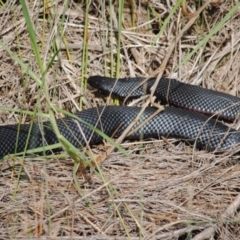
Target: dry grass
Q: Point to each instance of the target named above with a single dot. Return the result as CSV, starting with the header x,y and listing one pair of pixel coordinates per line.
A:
x,y
163,189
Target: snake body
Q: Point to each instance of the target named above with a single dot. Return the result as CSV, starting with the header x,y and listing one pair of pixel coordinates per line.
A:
x,y
174,92
113,120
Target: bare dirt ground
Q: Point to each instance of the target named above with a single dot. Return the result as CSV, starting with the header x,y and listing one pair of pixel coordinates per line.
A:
x,y
163,189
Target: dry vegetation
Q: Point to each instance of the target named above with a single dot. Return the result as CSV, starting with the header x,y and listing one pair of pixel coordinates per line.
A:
x,y
163,189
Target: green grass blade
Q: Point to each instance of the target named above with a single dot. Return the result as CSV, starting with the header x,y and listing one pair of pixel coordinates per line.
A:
x,y
211,33
32,35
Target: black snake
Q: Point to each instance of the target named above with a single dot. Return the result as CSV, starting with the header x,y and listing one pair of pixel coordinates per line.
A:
x,y
181,123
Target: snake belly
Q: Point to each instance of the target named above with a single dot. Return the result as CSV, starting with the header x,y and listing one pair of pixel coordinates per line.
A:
x,y
209,134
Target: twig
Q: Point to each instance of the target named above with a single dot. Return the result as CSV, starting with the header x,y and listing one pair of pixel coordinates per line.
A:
x,y
172,46
209,232
101,158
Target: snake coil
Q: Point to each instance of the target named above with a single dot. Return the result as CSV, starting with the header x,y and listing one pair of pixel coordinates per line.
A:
x,y
176,122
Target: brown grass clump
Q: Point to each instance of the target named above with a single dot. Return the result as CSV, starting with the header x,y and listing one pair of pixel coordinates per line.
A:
x,y
163,189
